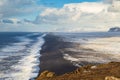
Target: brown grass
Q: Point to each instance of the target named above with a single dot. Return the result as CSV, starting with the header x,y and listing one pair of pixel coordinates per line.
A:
x,y
87,73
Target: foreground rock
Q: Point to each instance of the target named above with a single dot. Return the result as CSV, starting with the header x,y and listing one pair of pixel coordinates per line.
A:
x,y
110,71
111,78
46,74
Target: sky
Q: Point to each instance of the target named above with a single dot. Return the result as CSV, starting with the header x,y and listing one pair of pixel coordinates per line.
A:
x,y
58,15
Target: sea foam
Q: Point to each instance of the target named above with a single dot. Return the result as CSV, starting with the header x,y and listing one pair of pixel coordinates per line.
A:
x,y
92,49
27,66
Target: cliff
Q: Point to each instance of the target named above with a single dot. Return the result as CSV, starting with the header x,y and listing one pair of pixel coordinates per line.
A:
x,y
109,71
114,29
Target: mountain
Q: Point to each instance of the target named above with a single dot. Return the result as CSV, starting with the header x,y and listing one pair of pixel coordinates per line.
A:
x,y
114,29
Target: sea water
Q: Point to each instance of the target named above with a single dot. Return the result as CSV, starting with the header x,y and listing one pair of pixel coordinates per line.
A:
x,y
19,55
94,47
20,52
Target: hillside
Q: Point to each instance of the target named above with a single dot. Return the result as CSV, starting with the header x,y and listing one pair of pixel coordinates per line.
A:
x,y
109,71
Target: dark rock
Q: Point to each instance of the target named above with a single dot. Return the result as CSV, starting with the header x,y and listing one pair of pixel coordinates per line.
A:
x,y
114,29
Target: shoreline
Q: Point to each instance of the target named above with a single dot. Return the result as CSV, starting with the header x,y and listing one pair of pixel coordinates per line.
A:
x,y
52,62
53,54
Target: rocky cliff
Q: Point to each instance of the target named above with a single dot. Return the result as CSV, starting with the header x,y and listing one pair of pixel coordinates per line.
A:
x,y
114,29
109,71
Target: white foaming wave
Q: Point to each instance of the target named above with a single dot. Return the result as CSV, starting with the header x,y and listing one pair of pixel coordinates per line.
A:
x,y
90,59
109,45
104,50
77,40
16,47
32,34
23,43
13,48
28,67
24,39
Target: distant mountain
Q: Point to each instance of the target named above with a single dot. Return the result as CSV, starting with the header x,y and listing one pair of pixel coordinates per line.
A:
x,y
114,29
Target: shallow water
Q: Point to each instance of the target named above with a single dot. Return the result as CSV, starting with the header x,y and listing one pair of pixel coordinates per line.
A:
x,y
94,47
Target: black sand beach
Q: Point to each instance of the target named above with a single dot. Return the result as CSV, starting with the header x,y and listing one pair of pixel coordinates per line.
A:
x,y
90,63
52,57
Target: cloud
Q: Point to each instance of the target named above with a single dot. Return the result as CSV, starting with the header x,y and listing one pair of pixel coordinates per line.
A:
x,y
108,1
86,16
26,27
13,8
70,12
115,6
7,21
10,21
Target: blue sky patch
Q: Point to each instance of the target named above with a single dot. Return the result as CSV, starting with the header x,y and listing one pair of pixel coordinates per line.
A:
x,y
60,3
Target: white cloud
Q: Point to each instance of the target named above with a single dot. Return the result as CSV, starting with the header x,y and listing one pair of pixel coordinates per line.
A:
x,y
70,12
86,16
115,6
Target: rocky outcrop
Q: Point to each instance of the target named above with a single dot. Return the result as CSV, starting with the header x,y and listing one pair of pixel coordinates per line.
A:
x,y
114,29
109,71
111,78
46,74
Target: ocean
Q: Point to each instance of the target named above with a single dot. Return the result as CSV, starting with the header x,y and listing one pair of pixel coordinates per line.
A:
x,y
20,51
19,55
94,47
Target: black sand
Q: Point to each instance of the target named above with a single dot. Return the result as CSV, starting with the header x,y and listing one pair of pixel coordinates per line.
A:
x,y
52,57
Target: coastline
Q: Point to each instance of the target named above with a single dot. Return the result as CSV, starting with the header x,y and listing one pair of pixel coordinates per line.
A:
x,y
54,54
52,62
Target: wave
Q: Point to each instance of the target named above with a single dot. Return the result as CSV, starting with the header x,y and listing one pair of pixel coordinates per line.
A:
x,y
94,50
27,66
106,45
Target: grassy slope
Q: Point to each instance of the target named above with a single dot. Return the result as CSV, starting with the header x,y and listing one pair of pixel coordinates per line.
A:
x,y
88,72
